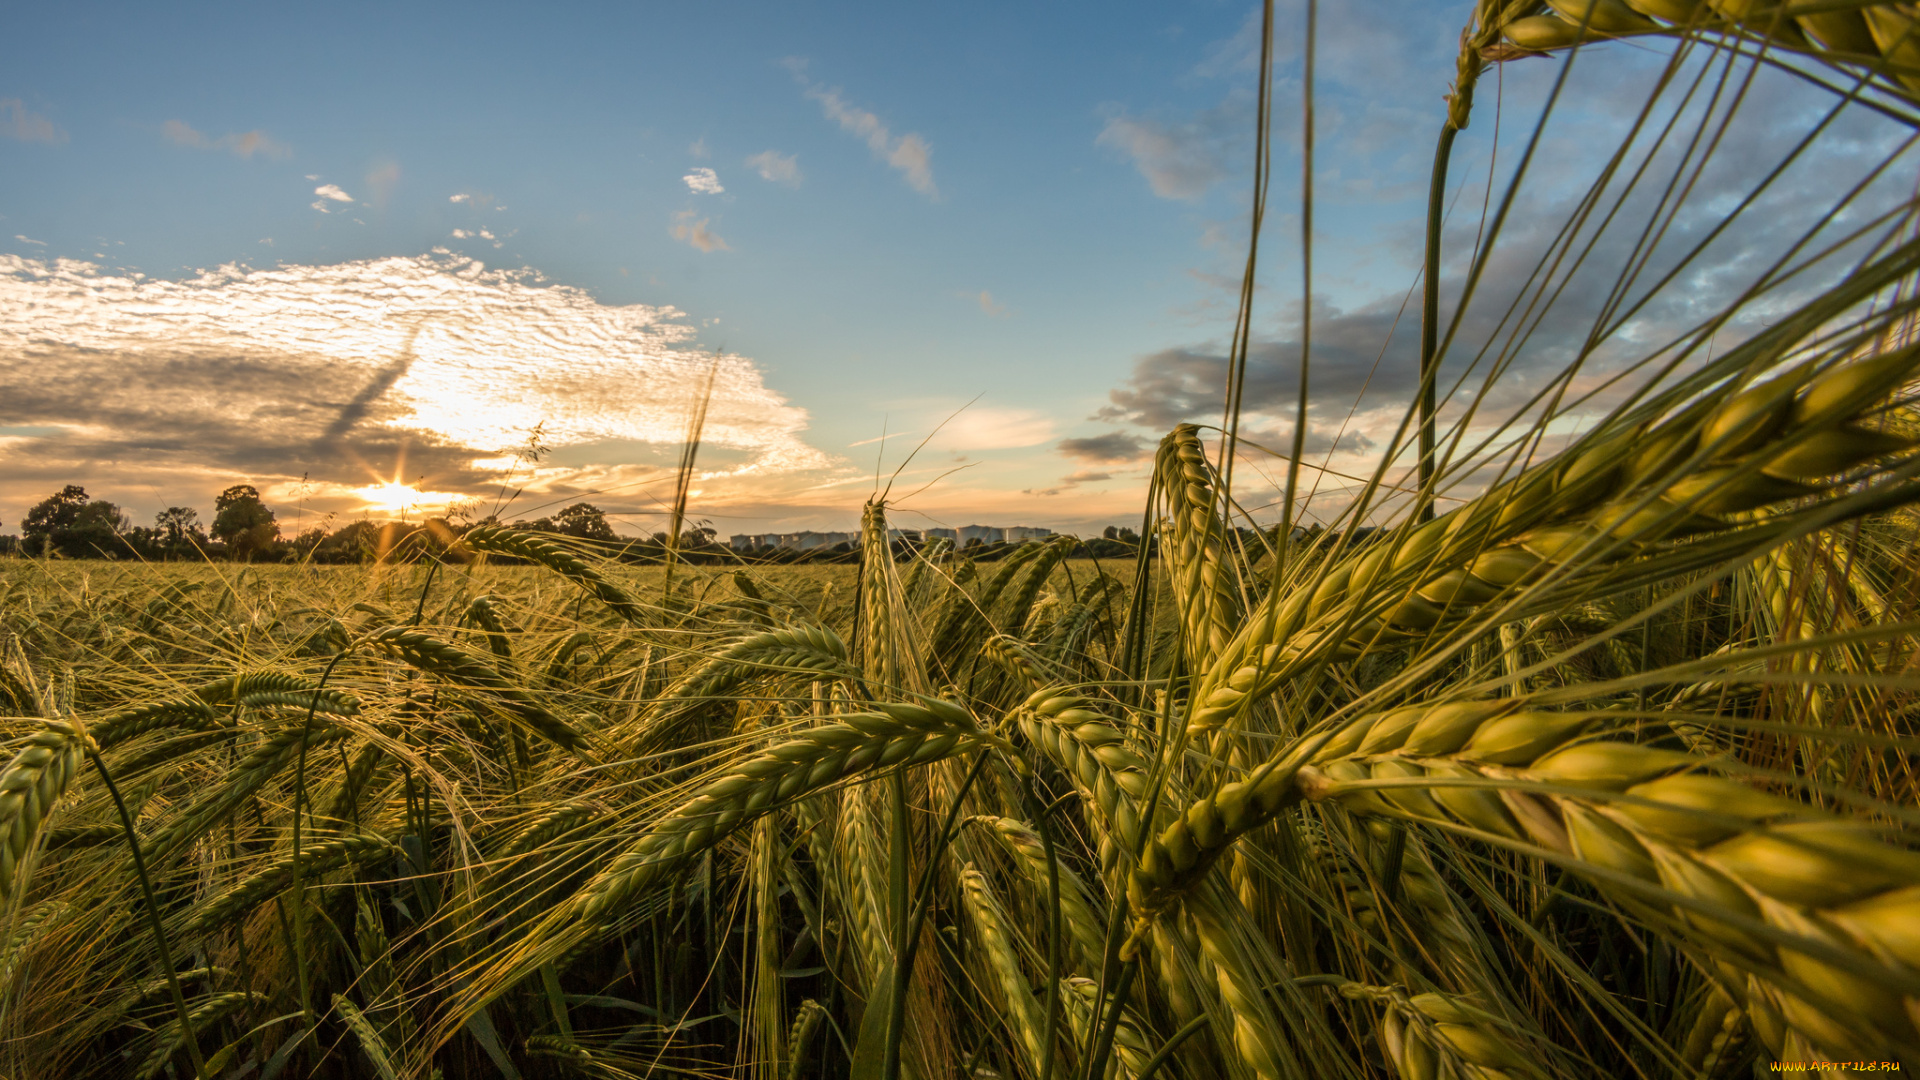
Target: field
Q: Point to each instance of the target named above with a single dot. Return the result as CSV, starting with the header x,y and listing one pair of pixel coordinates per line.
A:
x,y
1575,740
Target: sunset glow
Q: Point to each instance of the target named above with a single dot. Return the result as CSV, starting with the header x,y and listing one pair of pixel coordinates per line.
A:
x,y
394,498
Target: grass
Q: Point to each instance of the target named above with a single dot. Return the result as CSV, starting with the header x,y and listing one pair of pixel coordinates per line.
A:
x,y
1534,763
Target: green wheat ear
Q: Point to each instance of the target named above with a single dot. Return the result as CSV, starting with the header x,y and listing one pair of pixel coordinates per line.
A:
x,y
1603,767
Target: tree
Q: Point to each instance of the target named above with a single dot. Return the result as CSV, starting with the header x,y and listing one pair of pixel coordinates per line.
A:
x,y
583,520
179,530
96,530
52,517
240,520
1112,532
73,524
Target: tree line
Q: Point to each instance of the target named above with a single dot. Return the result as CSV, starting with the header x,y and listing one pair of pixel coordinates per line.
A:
x,y
71,524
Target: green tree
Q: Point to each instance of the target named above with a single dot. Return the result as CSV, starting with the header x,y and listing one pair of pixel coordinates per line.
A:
x,y
73,524
96,530
243,522
583,520
179,531
52,517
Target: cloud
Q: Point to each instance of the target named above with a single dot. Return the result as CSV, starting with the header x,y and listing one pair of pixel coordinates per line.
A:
x,y
687,230
381,179
1071,481
1114,448
29,240
777,167
347,372
17,122
243,144
698,151
911,154
329,192
1555,297
988,428
988,306
1180,160
475,199
703,181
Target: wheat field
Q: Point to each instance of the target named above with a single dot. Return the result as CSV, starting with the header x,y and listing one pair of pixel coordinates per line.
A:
x,y
1553,749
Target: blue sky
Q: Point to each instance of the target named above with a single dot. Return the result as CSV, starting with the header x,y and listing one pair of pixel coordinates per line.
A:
x,y
878,213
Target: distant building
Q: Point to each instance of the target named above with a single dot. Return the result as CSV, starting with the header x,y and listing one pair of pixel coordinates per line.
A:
x,y
807,540
961,537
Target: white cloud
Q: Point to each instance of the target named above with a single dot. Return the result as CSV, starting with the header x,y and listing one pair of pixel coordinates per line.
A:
x,y
17,122
1179,161
703,181
777,167
242,144
909,153
696,233
29,240
326,192
461,234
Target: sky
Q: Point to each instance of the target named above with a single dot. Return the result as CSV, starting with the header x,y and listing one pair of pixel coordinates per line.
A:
x,y
379,260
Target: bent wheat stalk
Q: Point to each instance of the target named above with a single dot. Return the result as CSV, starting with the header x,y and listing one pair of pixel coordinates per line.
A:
x,y
539,549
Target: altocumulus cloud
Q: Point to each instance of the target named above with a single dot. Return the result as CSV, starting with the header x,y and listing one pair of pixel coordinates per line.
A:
x,y
329,193
434,366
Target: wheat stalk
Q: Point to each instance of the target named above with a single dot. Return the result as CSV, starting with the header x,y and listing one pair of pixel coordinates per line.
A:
x,y
1025,1018
1763,860
29,787
1598,505
1083,922
278,875
539,549
171,1036
138,720
444,660
1203,578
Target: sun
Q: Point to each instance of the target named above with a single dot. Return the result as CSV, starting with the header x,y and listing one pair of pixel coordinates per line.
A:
x,y
394,497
